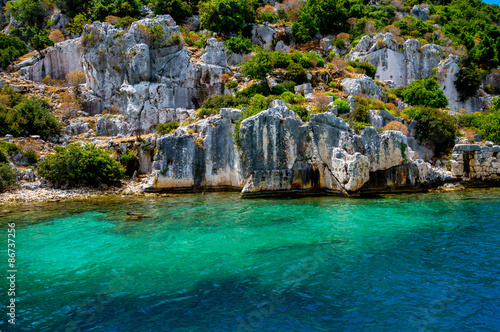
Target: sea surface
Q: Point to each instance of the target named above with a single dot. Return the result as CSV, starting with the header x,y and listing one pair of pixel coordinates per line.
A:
x,y
216,262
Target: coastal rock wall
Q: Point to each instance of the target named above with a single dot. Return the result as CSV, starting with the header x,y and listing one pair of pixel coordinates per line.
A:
x,y
277,153
476,163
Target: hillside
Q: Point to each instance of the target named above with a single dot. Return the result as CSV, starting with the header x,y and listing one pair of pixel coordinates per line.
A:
x,y
266,97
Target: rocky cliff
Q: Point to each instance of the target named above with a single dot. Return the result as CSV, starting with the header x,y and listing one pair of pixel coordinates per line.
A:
x,y
146,70
276,153
402,64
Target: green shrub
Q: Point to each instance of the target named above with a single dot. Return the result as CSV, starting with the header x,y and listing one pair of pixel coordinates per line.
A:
x,y
433,126
268,17
487,123
289,85
179,10
20,116
252,90
425,92
167,128
231,85
301,111
310,60
342,106
77,24
121,8
226,16
7,175
213,104
339,43
31,156
10,48
468,82
358,126
368,68
278,89
125,22
296,73
75,165
282,14
239,44
131,163
280,60
259,66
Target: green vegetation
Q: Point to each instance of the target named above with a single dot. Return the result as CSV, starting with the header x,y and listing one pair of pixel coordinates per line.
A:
x,y
365,68
487,123
301,111
76,165
296,73
167,128
433,126
21,115
425,92
259,66
239,44
468,81
8,149
231,85
213,104
226,16
7,175
10,49
179,10
342,106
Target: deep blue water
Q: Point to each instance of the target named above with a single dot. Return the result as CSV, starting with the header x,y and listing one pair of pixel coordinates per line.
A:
x,y
215,262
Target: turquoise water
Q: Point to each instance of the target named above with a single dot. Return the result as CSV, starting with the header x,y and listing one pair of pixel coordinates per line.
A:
x,y
215,262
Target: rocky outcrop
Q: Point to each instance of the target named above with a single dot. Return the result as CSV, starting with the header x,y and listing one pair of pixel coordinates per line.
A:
x,y
363,85
145,70
56,62
403,64
447,73
421,12
400,64
476,163
277,153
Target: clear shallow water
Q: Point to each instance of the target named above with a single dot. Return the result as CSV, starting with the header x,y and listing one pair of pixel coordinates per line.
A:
x,y
215,262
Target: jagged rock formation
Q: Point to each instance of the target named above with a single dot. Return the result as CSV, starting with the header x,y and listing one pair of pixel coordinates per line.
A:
x,y
56,62
447,73
404,64
277,153
396,63
144,70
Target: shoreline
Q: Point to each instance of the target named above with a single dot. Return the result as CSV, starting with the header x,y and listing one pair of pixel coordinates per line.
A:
x,y
33,193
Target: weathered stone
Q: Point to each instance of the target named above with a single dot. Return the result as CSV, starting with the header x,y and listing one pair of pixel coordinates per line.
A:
x,y
467,147
56,62
364,85
420,12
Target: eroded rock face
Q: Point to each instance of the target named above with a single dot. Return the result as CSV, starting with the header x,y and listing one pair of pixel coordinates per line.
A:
x,y
400,64
421,12
277,153
143,75
447,73
56,62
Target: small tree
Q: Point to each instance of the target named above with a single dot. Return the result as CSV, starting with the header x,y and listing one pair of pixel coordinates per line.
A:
x,y
259,66
80,165
75,78
226,16
425,92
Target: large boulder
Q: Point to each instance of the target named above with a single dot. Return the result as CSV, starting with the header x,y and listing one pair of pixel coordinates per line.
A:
x,y
362,85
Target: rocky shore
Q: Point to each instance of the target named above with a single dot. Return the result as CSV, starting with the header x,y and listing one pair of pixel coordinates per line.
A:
x,y
36,192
